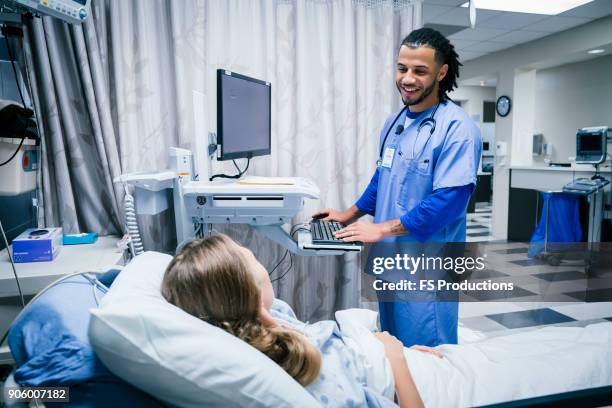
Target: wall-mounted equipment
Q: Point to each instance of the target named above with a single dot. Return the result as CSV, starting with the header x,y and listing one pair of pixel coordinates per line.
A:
x,y
18,149
538,145
18,175
70,11
591,145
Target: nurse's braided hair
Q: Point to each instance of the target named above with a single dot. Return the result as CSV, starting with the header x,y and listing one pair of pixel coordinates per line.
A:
x,y
210,279
444,53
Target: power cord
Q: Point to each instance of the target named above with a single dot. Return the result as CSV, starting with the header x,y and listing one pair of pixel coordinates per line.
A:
x,y
8,251
294,230
287,270
39,166
10,53
235,176
279,262
7,161
49,286
131,223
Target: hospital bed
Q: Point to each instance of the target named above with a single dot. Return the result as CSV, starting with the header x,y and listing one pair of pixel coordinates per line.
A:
x,y
51,346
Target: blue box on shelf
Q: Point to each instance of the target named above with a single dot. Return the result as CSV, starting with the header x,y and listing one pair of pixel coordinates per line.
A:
x,y
37,245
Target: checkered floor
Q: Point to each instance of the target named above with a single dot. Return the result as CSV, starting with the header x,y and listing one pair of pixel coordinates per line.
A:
x,y
479,224
508,261
487,319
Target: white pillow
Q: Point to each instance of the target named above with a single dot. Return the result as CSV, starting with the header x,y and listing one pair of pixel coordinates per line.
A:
x,y
176,357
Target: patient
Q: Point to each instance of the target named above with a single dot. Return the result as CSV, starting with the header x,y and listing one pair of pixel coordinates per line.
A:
x,y
223,284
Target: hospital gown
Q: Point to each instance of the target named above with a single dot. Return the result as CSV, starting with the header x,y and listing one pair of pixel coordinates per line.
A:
x,y
346,379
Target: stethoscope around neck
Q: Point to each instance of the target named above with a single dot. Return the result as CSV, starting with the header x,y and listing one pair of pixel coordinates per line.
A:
x,y
430,120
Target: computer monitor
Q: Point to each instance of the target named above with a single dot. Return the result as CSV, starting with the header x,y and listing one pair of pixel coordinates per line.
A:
x,y
591,145
243,116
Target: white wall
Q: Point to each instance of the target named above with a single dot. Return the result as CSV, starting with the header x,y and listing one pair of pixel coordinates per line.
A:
x,y
570,97
523,120
472,97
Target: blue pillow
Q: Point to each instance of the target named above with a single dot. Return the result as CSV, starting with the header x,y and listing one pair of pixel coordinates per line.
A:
x,y
50,345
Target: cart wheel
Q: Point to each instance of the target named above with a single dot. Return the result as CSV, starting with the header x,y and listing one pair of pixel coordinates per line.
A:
x,y
554,260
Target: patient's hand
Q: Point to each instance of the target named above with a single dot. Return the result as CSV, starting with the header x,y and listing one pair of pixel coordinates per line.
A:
x,y
394,349
407,392
429,350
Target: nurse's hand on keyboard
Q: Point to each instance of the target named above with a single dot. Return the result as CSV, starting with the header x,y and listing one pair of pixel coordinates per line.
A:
x,y
329,214
361,231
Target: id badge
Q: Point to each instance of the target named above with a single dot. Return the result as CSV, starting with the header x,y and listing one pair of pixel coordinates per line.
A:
x,y
387,160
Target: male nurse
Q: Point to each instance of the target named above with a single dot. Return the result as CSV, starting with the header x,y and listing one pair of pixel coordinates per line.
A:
x,y
426,172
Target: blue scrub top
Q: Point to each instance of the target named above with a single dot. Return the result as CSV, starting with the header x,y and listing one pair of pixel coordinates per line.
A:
x,y
422,163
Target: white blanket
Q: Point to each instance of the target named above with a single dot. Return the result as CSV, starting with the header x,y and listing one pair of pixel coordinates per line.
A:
x,y
544,361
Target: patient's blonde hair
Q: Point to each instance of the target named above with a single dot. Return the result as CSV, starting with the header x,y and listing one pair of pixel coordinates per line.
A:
x,y
210,279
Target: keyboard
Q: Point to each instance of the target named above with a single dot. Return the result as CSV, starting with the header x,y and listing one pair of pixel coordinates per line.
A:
x,y
323,232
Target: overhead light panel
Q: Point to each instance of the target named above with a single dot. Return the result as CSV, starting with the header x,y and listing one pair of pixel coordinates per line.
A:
x,y
548,7
596,51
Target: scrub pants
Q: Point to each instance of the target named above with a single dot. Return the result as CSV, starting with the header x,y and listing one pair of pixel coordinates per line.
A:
x,y
422,323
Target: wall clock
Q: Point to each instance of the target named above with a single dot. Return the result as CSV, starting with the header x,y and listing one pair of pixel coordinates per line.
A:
x,y
503,105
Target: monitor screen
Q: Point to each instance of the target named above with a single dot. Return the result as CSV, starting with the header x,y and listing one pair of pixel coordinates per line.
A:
x,y
243,116
590,143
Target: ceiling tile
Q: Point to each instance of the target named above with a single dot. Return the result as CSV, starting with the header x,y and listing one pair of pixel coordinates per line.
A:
x,y
462,44
555,23
452,3
519,36
456,15
477,34
460,15
445,29
497,30
488,46
485,15
431,11
595,9
509,21
468,55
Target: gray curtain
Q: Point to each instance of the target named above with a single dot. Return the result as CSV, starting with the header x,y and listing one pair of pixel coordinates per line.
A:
x,y
79,149
116,93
